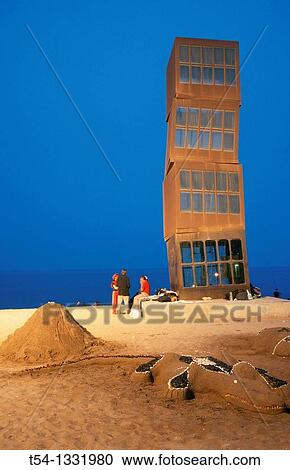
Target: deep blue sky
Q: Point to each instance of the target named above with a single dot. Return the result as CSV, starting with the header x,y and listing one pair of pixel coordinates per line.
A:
x,y
61,205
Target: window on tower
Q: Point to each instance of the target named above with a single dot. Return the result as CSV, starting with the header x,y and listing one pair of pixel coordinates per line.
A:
x,y
184,74
195,74
197,202
207,65
209,192
205,129
185,201
185,179
212,262
222,203
179,137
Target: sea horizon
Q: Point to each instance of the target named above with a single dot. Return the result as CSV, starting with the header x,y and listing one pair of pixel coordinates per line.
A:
x,y
31,288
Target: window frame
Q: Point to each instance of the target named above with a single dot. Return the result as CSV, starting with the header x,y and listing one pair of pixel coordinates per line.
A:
x,y
187,193
203,122
189,60
205,182
220,264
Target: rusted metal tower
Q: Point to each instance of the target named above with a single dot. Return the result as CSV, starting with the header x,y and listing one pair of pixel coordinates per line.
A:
x,y
203,204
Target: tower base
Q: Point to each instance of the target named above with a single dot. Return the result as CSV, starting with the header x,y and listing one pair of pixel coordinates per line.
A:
x,y
207,264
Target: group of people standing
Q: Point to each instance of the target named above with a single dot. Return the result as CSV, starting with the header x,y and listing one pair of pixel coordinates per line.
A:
x,y
121,292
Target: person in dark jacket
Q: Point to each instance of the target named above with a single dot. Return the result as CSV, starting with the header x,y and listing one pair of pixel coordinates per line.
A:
x,y
123,284
276,293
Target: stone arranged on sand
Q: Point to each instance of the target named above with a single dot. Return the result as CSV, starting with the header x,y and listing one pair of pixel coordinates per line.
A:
x,y
143,372
274,341
167,371
242,385
50,336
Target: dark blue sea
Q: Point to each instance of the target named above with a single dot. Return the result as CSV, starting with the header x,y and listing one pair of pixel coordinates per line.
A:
x,y
23,289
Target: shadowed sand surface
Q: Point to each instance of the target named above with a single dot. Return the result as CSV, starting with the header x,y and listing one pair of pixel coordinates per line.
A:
x,y
94,404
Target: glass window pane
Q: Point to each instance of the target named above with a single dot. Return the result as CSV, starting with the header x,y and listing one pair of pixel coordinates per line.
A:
x,y
185,179
185,250
226,275
216,140
179,137
197,202
184,74
195,55
230,56
234,182
213,274
209,182
234,204
209,202
222,202
219,76
198,252
200,275
207,75
192,138
195,75
230,77
236,249
207,55
185,202
187,276
219,55
183,54
197,180
228,141
210,248
181,116
221,181
239,275
229,119
224,250
217,119
193,114
205,115
204,140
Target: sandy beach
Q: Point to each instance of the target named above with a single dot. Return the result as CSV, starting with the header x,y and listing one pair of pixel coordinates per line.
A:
x,y
93,403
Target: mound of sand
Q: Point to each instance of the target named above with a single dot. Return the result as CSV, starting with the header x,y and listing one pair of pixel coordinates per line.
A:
x,y
51,336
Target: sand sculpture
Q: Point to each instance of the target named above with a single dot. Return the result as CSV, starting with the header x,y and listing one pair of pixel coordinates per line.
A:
x,y
169,370
242,385
282,348
274,341
50,336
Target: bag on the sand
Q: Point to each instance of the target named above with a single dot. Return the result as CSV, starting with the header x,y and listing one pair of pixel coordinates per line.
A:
x,y
242,295
164,298
135,313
